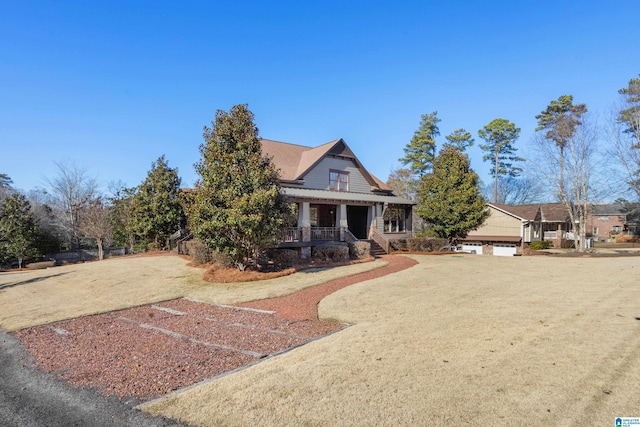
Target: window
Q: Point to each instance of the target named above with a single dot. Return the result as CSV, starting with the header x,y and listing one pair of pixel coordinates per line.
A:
x,y
595,231
395,220
338,181
616,229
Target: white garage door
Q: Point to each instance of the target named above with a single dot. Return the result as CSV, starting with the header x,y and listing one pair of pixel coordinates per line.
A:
x,y
504,249
471,247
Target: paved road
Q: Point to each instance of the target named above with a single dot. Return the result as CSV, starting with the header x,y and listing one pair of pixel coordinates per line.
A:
x,y
31,398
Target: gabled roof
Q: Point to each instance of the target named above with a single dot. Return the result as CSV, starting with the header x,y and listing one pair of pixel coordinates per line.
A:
x,y
545,212
554,212
294,161
608,209
522,212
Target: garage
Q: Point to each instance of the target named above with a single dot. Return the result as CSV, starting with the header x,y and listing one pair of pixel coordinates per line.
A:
x,y
472,247
504,249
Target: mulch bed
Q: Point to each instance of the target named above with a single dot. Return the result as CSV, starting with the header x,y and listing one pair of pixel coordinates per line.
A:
x,y
149,351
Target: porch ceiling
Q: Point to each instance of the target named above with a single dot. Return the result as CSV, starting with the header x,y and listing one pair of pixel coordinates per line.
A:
x,y
305,193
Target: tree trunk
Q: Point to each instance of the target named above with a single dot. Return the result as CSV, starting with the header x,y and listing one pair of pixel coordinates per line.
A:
x,y
132,242
100,249
495,181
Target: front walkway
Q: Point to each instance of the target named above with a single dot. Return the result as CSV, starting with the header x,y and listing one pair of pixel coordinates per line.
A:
x,y
304,304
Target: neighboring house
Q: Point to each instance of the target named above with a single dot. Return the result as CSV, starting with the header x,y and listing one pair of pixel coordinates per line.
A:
x,y
509,229
337,199
606,221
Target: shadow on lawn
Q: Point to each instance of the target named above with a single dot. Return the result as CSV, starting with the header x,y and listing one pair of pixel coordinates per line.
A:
x,y
26,282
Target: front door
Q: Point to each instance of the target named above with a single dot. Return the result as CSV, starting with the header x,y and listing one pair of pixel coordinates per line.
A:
x,y
357,220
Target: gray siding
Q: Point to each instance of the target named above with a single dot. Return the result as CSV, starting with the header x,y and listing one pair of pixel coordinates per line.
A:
x,y
318,177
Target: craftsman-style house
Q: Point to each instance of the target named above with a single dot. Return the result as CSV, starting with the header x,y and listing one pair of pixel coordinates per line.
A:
x,y
336,198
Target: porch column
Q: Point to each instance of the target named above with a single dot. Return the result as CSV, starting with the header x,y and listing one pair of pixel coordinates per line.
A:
x,y
342,220
304,222
379,216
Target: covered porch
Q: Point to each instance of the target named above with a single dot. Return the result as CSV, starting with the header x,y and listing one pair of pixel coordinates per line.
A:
x,y
321,221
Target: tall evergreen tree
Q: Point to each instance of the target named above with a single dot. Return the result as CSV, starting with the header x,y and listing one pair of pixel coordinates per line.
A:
x,y
5,186
236,206
626,133
500,135
459,139
157,212
122,202
449,197
630,116
18,229
421,151
559,122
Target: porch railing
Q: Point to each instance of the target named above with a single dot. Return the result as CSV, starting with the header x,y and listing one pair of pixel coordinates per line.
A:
x,y
377,237
558,234
325,233
294,234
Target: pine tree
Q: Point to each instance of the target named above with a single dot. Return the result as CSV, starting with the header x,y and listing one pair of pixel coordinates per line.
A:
x,y
500,135
459,139
421,151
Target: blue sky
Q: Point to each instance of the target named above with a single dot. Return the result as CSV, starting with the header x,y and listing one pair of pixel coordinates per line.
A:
x,y
113,85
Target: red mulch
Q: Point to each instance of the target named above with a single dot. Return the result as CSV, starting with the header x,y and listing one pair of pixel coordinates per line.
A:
x,y
303,305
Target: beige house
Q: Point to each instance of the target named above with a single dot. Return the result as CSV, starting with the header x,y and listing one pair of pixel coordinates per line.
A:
x,y
509,229
336,198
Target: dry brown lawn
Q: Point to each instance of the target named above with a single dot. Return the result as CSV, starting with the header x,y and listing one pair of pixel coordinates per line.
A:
x,y
455,340
30,298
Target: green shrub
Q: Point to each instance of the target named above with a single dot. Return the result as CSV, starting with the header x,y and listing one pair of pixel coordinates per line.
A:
x,y
222,259
333,253
282,258
536,246
398,244
199,252
417,244
153,246
423,244
359,249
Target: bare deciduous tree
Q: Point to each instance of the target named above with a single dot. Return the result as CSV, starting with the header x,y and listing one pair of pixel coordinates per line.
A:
x,y
568,171
624,133
72,190
626,152
94,221
516,190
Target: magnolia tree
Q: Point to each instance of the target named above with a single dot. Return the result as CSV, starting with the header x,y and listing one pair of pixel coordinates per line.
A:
x,y
236,206
18,229
449,197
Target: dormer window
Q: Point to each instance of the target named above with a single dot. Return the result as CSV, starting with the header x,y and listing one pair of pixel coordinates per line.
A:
x,y
338,181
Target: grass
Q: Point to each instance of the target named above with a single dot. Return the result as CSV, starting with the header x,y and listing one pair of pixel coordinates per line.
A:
x,y
453,341
30,298
472,340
